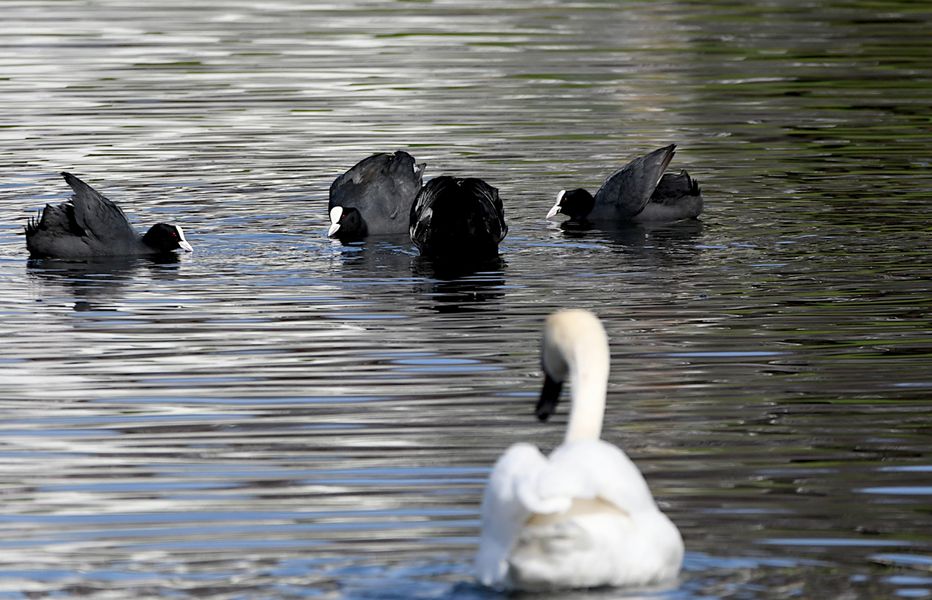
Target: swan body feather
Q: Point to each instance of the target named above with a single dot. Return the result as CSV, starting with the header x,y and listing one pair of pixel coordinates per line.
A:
x,y
584,516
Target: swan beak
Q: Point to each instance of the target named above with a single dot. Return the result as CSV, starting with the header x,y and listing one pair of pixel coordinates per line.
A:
x,y
336,213
182,242
549,397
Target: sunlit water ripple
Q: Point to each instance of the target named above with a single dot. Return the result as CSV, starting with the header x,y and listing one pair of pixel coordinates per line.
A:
x,y
278,415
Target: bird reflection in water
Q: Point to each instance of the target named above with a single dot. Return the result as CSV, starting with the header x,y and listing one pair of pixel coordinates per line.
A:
x,y
96,285
661,241
460,287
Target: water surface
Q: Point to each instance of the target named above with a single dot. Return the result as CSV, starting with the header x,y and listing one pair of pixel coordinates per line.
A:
x,y
278,415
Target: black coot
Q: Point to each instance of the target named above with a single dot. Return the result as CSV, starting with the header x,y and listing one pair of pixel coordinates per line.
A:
x,y
374,197
90,225
459,220
639,192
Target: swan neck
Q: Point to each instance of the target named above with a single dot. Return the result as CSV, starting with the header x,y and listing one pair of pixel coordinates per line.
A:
x,y
589,378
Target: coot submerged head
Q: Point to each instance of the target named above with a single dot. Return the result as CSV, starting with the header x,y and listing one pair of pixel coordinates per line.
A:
x,y
458,219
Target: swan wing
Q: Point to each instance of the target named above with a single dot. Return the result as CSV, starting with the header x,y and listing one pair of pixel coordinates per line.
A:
x,y
582,517
509,500
627,191
595,469
526,487
609,533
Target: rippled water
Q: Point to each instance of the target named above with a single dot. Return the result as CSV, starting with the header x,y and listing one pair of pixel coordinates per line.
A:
x,y
277,415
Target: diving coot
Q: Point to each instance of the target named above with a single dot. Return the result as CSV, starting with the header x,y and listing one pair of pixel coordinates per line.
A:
x,y
456,219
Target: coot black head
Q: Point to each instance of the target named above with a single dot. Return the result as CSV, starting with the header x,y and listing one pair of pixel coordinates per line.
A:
x,y
576,204
164,238
346,223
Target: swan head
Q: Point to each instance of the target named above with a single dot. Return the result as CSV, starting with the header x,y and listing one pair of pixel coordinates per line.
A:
x,y
575,347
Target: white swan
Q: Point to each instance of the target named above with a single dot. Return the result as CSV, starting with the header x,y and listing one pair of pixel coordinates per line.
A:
x,y
584,517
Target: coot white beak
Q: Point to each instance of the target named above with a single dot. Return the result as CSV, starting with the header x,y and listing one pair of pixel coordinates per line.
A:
x,y
336,213
556,207
183,243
